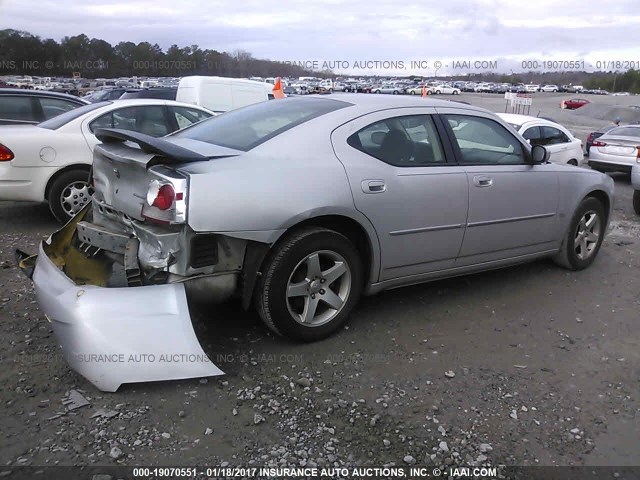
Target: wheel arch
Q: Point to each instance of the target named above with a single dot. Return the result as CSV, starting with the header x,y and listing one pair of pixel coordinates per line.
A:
x,y
363,237
603,198
62,171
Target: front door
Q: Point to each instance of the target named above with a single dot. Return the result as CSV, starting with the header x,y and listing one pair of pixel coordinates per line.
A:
x,y
512,203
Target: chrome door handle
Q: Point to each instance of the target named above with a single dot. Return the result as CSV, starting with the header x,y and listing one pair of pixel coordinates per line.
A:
x,y
373,186
480,181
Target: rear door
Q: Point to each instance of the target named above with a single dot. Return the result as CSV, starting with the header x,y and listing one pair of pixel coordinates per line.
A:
x,y
401,175
512,203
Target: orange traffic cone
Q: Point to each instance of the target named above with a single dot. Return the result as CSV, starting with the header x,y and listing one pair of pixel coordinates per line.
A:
x,y
278,91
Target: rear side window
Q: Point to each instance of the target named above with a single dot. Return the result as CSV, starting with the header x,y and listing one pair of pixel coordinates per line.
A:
x,y
17,108
147,119
410,141
248,127
52,107
61,120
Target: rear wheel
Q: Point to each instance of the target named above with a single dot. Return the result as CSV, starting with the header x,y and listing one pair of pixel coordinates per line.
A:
x,y
69,193
573,162
636,201
584,237
310,284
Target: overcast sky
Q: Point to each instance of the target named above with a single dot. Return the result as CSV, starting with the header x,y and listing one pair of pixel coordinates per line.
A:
x,y
508,31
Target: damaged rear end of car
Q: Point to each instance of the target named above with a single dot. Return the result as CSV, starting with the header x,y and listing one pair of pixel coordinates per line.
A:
x,y
117,280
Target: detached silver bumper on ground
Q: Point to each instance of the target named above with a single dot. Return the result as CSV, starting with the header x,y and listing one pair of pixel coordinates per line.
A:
x,y
113,336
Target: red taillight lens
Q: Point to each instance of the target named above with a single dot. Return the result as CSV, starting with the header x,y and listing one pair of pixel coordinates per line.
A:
x,y
164,198
161,195
638,153
598,143
6,155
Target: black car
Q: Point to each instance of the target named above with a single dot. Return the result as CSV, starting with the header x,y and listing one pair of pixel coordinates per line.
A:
x,y
18,106
106,95
162,93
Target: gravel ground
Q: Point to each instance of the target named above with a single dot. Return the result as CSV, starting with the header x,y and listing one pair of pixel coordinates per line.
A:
x,y
530,365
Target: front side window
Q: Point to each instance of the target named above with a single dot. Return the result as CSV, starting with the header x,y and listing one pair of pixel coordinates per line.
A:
x,y
188,116
485,142
553,136
410,141
534,135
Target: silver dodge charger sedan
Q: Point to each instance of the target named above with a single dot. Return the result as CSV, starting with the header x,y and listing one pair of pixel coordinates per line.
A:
x,y
298,207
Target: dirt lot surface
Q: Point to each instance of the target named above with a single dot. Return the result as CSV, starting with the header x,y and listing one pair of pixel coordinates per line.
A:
x,y
530,365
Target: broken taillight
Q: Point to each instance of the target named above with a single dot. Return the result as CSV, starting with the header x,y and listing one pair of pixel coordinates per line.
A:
x,y
161,196
166,201
6,155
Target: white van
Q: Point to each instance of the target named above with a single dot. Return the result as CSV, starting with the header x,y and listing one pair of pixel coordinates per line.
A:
x,y
221,94
531,88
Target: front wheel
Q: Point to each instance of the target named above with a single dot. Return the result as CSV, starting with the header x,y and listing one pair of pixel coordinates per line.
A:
x,y
69,193
310,284
636,201
584,237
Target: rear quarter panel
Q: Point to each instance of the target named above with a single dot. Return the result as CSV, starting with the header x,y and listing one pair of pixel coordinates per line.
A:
x,y
291,178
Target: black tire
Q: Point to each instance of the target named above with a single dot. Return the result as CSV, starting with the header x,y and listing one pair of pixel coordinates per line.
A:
x,y
271,298
64,211
636,201
568,256
395,92
573,162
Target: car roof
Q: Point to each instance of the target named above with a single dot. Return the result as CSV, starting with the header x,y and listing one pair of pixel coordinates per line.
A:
x,y
380,102
517,119
40,93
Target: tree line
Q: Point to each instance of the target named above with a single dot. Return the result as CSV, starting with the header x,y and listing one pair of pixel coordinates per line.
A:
x,y
22,53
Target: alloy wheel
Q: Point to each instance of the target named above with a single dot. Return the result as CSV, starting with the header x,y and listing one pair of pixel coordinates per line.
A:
x,y
587,235
318,288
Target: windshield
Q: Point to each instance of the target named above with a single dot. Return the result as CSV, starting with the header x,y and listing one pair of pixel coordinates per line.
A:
x,y
248,127
61,120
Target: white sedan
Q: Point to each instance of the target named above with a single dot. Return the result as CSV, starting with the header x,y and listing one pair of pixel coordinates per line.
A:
x,y
50,162
445,89
562,146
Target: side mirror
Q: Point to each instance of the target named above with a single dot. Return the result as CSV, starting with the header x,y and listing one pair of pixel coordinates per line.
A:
x,y
539,154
